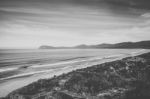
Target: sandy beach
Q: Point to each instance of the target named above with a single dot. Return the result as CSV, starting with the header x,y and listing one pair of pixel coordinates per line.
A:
x,y
9,84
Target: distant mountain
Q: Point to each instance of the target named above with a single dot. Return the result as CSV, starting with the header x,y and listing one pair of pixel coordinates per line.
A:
x,y
51,47
141,44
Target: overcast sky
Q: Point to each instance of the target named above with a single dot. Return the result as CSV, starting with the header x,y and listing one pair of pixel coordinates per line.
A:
x,y
31,23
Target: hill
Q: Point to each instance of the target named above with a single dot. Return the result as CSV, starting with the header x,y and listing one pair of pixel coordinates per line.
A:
x,y
123,45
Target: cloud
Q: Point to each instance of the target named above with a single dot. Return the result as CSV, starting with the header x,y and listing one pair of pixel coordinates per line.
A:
x,y
72,22
146,15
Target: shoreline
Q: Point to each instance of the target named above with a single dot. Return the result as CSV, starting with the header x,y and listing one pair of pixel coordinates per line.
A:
x,y
59,74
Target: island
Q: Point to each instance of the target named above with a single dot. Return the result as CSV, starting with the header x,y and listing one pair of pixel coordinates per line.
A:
x,y
128,78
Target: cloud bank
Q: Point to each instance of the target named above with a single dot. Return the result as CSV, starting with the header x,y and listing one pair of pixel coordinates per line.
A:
x,y
31,23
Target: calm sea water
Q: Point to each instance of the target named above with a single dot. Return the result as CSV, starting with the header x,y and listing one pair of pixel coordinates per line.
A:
x,y
21,67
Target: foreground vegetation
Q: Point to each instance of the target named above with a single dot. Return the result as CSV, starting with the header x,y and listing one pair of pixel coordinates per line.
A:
x,y
128,78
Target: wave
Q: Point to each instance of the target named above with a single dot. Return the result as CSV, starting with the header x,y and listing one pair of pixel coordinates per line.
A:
x,y
75,61
56,66
8,69
68,61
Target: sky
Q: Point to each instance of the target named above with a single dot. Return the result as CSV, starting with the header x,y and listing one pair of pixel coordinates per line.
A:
x,y
31,23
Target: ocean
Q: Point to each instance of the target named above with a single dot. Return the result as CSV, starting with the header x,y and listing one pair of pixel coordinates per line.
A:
x,y
19,67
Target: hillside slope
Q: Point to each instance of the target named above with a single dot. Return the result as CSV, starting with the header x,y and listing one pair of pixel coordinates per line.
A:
x,y
127,45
